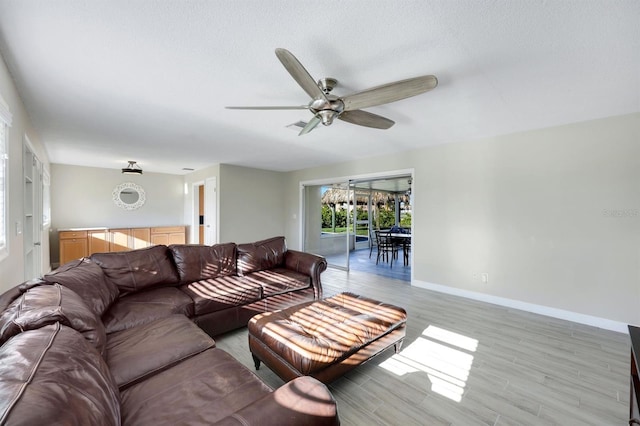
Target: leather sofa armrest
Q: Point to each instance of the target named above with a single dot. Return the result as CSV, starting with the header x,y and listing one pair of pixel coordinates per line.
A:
x,y
302,401
308,264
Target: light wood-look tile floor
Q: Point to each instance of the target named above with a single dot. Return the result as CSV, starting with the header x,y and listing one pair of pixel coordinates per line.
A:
x,y
465,362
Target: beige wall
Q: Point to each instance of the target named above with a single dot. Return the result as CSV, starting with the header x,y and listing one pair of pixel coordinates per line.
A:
x,y
552,215
251,205
81,197
250,201
12,267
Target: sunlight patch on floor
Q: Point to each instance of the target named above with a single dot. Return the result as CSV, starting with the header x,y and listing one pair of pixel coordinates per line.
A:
x,y
443,355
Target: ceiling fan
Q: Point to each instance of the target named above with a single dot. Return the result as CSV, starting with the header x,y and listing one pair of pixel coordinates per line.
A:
x,y
326,107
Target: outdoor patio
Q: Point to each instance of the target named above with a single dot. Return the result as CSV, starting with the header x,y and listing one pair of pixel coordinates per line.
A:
x,y
359,261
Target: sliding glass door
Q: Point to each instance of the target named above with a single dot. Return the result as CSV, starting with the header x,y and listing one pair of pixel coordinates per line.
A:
x,y
338,217
327,221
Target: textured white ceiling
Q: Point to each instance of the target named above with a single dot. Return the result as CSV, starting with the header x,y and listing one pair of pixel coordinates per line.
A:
x,y
110,81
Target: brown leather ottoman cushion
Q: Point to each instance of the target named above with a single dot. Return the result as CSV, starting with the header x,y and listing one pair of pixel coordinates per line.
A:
x,y
314,335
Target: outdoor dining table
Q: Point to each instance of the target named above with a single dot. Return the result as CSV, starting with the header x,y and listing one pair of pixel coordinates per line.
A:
x,y
400,240
399,236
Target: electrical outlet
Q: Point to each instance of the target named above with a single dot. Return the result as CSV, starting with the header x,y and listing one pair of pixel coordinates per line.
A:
x,y
484,277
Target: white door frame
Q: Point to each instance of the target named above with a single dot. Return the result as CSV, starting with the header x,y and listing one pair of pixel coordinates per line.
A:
x,y
195,212
210,211
33,265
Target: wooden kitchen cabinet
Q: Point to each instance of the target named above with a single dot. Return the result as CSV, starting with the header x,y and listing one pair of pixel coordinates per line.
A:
x,y
140,238
119,239
73,245
77,243
168,235
129,239
98,241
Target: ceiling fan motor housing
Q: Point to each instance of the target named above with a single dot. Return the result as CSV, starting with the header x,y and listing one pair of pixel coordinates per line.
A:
x,y
327,110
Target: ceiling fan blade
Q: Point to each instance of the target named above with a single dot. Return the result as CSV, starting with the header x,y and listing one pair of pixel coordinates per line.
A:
x,y
367,119
268,107
389,92
310,125
300,74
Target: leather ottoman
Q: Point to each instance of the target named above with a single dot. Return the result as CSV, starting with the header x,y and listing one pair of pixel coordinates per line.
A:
x,y
325,338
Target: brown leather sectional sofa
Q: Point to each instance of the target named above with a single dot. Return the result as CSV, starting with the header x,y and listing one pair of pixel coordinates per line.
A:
x,y
125,338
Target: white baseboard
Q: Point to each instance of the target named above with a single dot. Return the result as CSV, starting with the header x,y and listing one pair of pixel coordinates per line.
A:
x,y
603,323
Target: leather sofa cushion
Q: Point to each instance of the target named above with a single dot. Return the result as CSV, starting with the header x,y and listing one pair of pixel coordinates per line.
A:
x,y
141,351
53,376
200,390
265,254
222,293
48,304
146,306
279,280
137,270
87,279
195,262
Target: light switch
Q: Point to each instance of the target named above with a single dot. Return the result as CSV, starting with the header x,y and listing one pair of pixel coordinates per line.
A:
x,y
18,227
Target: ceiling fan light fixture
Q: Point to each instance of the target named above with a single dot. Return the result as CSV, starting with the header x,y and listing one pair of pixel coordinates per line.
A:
x,y
132,169
327,116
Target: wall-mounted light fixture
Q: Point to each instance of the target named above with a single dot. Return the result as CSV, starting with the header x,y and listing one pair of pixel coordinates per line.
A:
x,y
132,169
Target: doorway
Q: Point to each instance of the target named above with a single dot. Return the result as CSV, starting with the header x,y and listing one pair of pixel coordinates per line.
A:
x,y
33,221
340,216
384,204
204,219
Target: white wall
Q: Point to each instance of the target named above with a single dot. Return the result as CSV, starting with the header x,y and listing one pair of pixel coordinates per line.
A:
x,y
12,267
552,215
81,197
